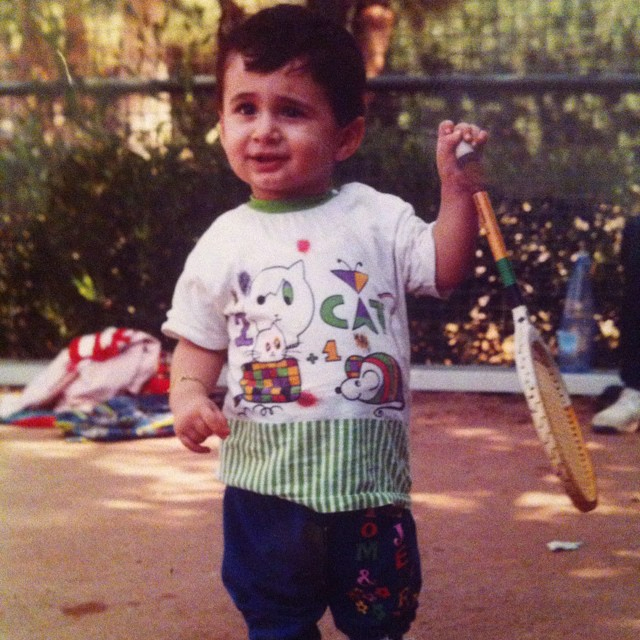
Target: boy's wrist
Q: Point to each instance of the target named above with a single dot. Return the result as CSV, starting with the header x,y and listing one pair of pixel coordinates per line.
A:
x,y
456,189
186,380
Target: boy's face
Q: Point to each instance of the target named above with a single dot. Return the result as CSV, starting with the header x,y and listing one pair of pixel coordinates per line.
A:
x,y
279,131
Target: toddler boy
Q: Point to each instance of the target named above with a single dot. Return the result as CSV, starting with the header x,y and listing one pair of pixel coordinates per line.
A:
x,y
301,292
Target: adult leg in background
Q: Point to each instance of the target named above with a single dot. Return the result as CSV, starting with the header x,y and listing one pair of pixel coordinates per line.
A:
x,y
630,311
623,416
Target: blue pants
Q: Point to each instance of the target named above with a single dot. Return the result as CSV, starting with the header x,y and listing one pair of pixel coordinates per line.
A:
x,y
284,564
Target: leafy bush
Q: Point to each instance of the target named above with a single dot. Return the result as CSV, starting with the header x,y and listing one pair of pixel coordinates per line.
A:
x,y
96,235
93,233
550,205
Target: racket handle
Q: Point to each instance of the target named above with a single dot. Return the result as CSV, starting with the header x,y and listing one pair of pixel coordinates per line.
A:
x,y
468,160
465,153
490,225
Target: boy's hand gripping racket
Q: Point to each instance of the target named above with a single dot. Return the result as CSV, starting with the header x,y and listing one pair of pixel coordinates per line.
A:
x,y
553,415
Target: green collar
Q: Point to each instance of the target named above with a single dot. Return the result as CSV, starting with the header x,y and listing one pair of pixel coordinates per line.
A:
x,y
287,206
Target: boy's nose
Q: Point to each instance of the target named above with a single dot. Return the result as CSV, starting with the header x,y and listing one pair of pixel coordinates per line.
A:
x,y
266,129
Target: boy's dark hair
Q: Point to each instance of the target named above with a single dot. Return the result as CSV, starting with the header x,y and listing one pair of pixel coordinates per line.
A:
x,y
273,37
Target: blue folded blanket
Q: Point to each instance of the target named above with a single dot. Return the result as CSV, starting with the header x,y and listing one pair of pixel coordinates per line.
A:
x,y
120,418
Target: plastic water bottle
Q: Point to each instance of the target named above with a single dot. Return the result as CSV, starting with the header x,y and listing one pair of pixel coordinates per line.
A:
x,y
577,326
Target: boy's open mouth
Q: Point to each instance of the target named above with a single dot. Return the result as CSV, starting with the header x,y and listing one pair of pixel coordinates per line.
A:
x,y
267,157
267,160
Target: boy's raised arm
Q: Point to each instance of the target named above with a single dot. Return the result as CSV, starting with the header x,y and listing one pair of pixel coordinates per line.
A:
x,y
456,229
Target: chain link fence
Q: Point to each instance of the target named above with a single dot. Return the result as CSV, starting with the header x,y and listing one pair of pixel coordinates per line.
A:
x,y
106,185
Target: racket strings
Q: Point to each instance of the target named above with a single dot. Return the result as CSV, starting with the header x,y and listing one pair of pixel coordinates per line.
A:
x,y
566,434
549,403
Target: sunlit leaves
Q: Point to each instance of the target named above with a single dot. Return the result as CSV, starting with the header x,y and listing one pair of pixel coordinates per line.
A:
x,y
86,287
521,36
93,234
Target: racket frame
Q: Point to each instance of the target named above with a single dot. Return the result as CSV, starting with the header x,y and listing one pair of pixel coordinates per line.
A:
x,y
564,446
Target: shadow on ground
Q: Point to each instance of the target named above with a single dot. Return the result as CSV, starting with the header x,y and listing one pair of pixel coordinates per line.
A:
x,y
121,541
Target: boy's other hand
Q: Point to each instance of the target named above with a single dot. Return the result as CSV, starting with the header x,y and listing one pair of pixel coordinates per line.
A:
x,y
198,419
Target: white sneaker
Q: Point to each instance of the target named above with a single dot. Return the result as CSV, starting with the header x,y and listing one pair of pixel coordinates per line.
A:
x,y
623,416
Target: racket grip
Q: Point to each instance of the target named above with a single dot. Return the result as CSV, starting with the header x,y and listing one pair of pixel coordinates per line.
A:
x,y
490,224
468,160
466,153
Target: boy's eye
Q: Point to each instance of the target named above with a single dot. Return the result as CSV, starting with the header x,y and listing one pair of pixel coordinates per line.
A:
x,y
245,109
292,111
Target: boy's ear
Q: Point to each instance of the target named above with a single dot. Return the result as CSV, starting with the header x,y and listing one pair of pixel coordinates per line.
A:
x,y
352,135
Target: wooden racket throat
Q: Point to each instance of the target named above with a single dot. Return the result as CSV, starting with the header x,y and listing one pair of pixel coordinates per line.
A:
x,y
549,403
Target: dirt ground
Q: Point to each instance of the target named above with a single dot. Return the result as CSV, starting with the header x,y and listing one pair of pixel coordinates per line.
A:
x,y
121,541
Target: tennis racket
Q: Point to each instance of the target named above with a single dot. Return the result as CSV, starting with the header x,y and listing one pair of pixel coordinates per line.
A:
x,y
553,415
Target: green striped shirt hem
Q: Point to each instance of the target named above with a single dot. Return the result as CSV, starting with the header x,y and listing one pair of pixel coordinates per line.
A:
x,y
326,465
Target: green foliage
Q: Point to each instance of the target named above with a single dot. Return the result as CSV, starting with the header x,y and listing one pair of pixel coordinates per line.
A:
x,y
95,223
518,36
556,144
545,223
396,157
100,236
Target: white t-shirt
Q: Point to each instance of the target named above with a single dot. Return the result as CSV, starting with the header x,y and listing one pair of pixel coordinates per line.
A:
x,y
310,304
